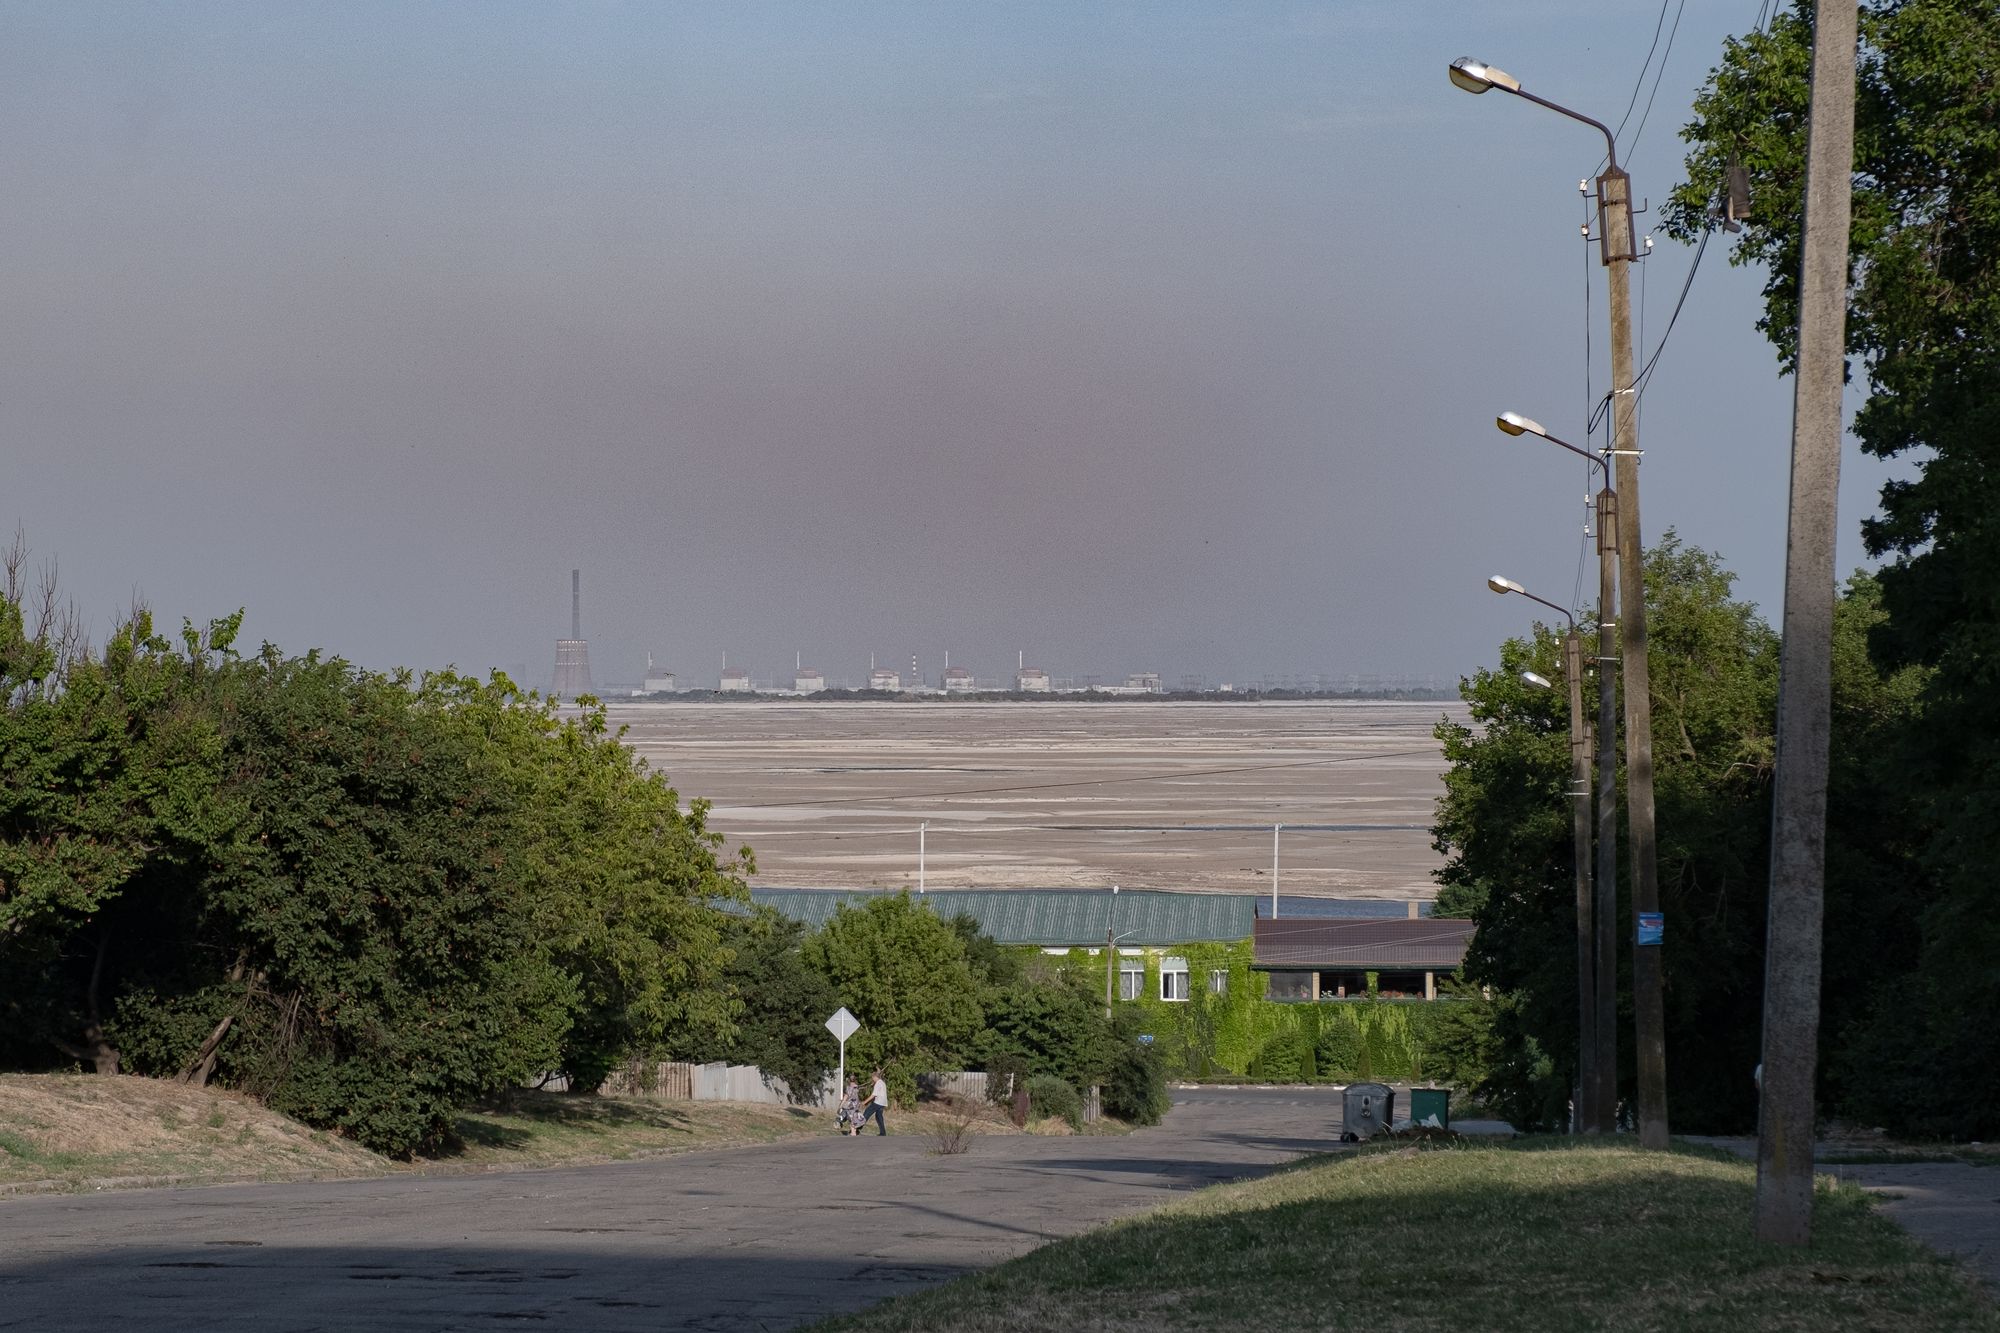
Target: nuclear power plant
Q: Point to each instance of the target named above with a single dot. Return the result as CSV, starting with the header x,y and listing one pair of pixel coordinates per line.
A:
x,y
573,654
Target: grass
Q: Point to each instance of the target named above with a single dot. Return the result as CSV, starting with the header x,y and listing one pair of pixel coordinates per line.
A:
x,y
1500,1239
86,1132
552,1128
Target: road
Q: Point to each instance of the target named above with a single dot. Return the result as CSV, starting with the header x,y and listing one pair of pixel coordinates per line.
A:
x,y
748,1238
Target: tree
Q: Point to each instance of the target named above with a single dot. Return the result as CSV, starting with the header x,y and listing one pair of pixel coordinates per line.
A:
x,y
904,974
1924,323
781,1027
1503,825
627,886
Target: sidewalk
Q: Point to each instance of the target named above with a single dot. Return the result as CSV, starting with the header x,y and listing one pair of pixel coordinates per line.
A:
x,y
1952,1207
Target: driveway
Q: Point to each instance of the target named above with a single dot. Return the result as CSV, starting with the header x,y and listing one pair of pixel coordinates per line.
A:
x,y
745,1238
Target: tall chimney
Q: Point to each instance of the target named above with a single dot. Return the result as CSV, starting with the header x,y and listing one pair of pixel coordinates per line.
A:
x,y
576,603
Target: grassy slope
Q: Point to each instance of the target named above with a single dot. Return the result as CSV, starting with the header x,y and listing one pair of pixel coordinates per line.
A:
x,y
1475,1238
85,1132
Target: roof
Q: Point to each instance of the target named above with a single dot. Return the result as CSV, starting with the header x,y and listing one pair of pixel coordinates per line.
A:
x,y
1053,917
1432,943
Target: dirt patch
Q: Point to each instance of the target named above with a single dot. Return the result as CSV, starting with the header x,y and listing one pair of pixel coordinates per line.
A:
x,y
68,1128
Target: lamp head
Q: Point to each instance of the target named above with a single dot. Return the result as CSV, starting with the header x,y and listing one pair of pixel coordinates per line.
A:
x,y
1515,424
1503,585
1538,681
1476,76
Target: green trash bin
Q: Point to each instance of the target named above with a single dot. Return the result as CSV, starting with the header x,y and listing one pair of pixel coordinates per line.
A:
x,y
1428,1102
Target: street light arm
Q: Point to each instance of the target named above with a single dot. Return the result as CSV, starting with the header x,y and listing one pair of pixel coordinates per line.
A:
x,y
1551,605
1513,423
1610,144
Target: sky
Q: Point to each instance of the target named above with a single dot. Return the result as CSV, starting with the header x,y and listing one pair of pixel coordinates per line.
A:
x,y
1128,337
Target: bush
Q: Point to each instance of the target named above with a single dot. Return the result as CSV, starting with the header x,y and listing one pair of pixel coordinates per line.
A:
x,y
1051,1096
1004,1073
1135,1087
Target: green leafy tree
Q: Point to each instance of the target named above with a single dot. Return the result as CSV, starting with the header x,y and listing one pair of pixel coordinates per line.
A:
x,y
626,884
1504,827
904,974
781,1027
1924,327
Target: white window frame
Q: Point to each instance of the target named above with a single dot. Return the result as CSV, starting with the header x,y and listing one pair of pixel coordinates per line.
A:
x,y
1218,981
1174,980
1131,978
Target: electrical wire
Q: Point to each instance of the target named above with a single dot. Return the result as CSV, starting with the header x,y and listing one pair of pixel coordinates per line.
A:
x,y
1631,147
1658,25
1640,380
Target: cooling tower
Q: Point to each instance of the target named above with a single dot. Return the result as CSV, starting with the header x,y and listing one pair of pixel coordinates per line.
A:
x,y
573,654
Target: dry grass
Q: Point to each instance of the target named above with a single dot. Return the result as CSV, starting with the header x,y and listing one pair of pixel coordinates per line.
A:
x,y
1507,1240
70,1132
75,1128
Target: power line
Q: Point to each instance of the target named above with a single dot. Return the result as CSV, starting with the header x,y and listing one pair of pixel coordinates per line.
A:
x,y
1657,75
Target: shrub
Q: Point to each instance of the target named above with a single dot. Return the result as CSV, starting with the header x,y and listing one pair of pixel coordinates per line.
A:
x,y
1135,1087
1004,1072
1051,1096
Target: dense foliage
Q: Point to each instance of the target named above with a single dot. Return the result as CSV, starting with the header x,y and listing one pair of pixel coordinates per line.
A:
x,y
1503,825
1924,334
369,899
363,897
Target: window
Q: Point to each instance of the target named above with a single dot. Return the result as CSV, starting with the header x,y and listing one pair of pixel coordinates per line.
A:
x,y
1131,978
1218,981
1173,979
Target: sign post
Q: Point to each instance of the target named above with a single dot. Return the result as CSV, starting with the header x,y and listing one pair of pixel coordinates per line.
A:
x,y
842,1025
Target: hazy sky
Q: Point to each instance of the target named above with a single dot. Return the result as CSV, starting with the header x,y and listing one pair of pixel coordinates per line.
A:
x,y
1138,336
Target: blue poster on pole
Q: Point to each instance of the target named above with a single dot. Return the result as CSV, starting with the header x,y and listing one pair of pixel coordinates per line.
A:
x,y
1652,927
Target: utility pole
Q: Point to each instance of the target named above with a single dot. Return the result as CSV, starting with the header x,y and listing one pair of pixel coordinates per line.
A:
x,y
1110,965
922,829
1798,803
1614,205
1604,1099
1579,803
1274,870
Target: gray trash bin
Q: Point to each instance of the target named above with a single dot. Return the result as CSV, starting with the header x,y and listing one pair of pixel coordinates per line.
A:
x,y
1368,1109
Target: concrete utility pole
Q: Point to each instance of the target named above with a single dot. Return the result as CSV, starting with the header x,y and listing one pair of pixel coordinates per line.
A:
x,y
1588,1020
1598,1103
1614,227
1649,1014
1604,1101
1587,1044
1798,803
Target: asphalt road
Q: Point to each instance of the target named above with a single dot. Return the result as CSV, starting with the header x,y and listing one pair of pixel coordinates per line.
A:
x,y
747,1238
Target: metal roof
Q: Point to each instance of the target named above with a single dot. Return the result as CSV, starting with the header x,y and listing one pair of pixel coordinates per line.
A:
x,y
1432,943
1053,917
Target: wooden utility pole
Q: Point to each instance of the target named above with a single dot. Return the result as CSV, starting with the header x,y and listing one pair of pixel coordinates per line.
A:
x,y
1798,804
1649,1016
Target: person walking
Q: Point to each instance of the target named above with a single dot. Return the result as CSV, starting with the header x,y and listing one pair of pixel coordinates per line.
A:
x,y
878,1102
850,1108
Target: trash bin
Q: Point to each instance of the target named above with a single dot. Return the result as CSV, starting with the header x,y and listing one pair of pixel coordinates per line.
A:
x,y
1368,1109
1430,1108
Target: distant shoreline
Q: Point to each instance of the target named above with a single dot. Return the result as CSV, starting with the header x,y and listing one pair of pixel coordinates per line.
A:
x,y
838,696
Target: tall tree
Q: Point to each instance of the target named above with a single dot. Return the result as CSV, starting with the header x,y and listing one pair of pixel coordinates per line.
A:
x,y
1924,325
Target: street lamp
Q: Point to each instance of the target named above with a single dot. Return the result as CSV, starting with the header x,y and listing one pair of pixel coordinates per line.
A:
x,y
1601,1102
1616,251
1589,1044
1111,950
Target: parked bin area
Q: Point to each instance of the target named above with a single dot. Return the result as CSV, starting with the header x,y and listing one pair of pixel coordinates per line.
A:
x,y
1430,1108
1367,1110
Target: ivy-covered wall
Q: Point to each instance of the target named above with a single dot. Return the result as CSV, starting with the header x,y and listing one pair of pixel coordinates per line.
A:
x,y
1242,1033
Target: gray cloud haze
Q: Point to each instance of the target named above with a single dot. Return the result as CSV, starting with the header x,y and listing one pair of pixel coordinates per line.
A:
x,y
1137,337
